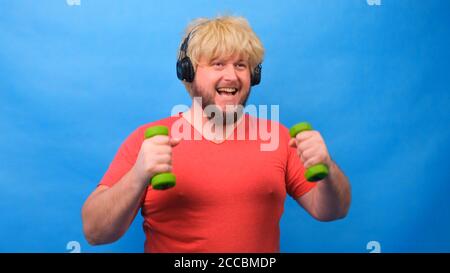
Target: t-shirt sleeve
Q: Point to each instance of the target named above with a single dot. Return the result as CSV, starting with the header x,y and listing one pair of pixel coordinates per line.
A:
x,y
296,183
124,159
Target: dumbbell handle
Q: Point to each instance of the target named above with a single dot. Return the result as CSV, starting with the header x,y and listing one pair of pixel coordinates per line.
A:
x,y
160,181
318,171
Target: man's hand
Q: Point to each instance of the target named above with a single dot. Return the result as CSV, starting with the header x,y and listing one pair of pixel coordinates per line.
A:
x,y
311,148
330,200
155,156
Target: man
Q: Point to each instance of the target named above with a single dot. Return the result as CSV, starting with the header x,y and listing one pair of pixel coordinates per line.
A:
x,y
229,194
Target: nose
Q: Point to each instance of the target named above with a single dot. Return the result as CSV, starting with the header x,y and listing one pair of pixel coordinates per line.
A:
x,y
229,73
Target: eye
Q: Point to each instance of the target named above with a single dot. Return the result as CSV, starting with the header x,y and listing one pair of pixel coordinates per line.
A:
x,y
241,66
218,64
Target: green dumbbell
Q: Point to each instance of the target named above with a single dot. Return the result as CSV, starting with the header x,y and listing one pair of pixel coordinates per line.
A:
x,y
160,181
318,171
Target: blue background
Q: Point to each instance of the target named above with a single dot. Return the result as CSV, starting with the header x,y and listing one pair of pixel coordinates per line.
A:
x,y
76,80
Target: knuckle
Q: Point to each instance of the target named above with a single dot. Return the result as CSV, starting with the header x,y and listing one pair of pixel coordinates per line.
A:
x,y
160,139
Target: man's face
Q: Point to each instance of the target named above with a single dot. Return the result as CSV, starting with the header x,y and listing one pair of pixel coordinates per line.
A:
x,y
222,81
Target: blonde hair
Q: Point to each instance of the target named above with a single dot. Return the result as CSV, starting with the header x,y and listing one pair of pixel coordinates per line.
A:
x,y
223,36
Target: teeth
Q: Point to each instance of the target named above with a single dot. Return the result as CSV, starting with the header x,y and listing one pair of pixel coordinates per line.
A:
x,y
227,89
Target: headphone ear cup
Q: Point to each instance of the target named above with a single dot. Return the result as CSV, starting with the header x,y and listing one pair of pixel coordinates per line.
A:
x,y
256,75
180,70
185,70
188,69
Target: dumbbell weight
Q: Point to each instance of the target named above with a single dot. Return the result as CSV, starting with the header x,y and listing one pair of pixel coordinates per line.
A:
x,y
318,171
160,181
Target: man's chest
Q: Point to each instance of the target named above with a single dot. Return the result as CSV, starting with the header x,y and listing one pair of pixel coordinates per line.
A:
x,y
227,174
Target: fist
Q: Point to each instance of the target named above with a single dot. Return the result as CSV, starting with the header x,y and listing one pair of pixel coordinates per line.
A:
x,y
155,156
311,148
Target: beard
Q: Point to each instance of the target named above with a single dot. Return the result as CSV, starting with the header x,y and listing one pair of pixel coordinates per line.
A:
x,y
230,114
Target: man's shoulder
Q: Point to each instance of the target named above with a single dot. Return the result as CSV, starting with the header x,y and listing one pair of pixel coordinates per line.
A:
x,y
168,121
138,133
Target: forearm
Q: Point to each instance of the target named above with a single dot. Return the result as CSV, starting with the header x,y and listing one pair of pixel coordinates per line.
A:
x,y
108,214
332,196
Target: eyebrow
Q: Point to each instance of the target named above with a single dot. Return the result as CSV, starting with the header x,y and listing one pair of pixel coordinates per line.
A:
x,y
223,59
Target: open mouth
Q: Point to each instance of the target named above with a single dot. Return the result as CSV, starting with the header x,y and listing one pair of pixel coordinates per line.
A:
x,y
227,91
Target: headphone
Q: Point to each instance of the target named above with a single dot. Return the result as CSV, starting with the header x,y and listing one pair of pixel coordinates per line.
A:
x,y
185,69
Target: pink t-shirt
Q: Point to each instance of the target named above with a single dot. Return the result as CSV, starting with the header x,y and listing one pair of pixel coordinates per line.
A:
x,y
229,197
